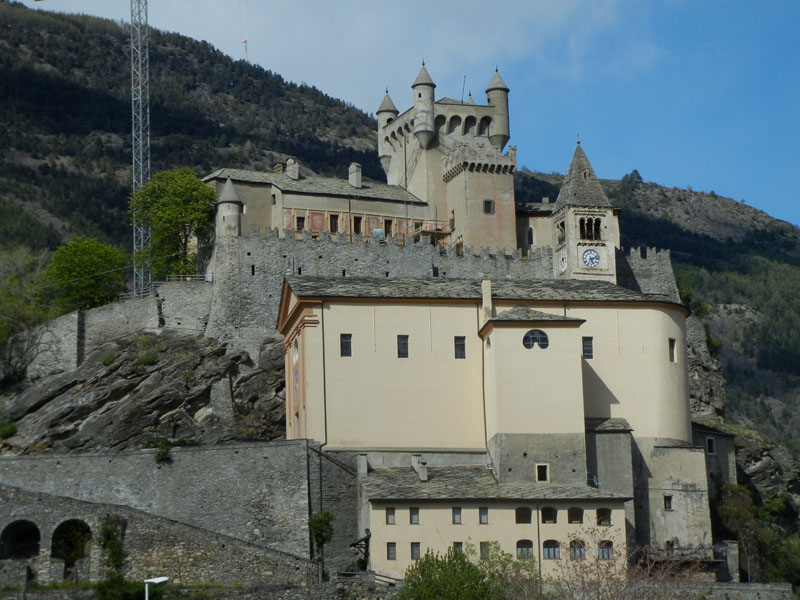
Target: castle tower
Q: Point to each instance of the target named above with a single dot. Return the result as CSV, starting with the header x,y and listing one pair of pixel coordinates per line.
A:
x,y
229,212
423,87
585,225
387,112
497,97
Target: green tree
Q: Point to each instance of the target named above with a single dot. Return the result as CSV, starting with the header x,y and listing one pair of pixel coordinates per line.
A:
x,y
85,273
448,577
179,208
321,527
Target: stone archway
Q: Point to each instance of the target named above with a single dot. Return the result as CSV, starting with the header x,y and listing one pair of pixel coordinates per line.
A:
x,y
20,540
71,543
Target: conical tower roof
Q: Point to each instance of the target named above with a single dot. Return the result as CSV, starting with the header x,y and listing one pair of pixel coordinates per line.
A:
x,y
423,78
497,83
581,186
387,105
228,192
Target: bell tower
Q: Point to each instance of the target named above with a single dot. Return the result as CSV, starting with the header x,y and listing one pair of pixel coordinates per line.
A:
x,y
585,225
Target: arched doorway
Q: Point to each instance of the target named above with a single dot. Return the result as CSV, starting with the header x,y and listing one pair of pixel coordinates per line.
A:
x,y
71,543
20,539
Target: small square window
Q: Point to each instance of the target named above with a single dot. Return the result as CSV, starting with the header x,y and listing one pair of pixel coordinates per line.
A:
x,y
672,350
711,445
484,546
391,551
488,207
390,515
588,347
345,344
483,515
543,473
456,515
667,502
402,346
458,546
415,550
413,515
460,343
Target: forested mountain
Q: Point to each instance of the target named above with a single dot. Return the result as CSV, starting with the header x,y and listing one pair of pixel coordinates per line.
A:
x,y
65,172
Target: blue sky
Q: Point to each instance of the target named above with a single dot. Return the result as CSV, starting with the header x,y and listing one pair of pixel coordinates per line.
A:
x,y
700,93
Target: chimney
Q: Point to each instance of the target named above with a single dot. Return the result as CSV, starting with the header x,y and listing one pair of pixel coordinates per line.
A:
x,y
486,299
420,466
354,176
293,169
546,200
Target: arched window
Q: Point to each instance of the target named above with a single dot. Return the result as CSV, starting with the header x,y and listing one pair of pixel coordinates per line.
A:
x,y
70,543
454,125
551,550
530,236
523,514
439,123
577,550
470,123
20,539
533,337
582,228
575,515
483,126
524,549
605,550
604,516
549,514
596,229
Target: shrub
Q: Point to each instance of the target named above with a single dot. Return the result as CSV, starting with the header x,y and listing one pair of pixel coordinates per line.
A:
x,y
148,359
7,429
321,527
448,577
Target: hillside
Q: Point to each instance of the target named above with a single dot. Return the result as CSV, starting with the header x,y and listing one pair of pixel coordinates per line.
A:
x,y
65,115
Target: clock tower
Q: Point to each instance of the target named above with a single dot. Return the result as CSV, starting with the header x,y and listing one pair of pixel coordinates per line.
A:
x,y
585,226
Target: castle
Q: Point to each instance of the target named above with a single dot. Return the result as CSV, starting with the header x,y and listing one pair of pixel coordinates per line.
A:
x,y
459,370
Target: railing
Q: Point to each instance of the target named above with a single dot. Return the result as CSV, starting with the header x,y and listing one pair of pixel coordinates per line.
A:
x,y
387,580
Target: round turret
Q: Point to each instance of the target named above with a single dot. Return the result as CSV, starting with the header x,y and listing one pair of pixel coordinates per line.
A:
x,y
497,96
387,112
423,87
229,212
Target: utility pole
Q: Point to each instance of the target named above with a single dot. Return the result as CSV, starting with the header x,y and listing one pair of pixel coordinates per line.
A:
x,y
140,137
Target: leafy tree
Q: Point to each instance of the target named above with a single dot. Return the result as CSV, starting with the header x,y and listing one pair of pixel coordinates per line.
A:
x,y
85,273
451,576
180,209
321,527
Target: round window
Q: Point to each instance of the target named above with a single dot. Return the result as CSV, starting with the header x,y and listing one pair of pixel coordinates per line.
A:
x,y
534,337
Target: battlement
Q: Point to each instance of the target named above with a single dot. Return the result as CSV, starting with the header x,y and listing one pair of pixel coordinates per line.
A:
x,y
479,160
647,270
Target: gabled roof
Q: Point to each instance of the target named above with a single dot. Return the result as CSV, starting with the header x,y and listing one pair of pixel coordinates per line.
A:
x,y
423,78
469,483
608,425
524,314
323,186
581,186
387,105
445,288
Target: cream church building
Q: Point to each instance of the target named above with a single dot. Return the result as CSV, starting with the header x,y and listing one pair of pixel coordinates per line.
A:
x,y
541,404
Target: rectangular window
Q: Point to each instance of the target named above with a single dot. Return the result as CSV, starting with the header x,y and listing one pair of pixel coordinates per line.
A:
x,y
387,227
667,502
301,223
672,351
456,515
484,546
542,473
414,550
460,343
334,224
402,346
390,515
417,225
458,546
483,515
711,445
345,344
413,515
357,225
488,207
391,551
588,349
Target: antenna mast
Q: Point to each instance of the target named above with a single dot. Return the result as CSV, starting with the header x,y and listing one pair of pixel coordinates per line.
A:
x,y
140,136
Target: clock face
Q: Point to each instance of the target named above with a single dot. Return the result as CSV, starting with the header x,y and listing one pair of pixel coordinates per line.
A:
x,y
591,258
562,261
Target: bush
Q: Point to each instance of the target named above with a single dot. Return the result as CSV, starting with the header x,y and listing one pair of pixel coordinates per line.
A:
x,y
148,359
7,429
449,577
321,527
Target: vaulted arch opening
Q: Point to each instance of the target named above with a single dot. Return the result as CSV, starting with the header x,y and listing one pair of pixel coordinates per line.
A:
x,y
71,542
20,540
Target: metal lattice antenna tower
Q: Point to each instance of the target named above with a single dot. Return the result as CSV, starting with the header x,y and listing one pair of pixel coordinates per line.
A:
x,y
140,116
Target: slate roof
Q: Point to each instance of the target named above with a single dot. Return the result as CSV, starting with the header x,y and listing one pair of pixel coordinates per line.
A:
x,y
468,483
497,83
523,313
581,186
423,78
609,424
327,186
465,289
387,105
